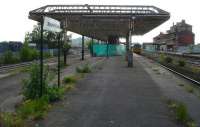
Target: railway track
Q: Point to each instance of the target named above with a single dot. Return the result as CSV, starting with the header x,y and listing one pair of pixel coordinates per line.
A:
x,y
192,59
8,68
182,75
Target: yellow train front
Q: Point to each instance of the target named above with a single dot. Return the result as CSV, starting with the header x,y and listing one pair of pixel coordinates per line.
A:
x,y
137,48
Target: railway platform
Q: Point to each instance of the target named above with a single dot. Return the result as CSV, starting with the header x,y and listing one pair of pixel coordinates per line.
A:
x,y
116,96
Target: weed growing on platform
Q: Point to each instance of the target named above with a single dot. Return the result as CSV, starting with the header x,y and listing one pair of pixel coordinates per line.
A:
x,y
69,79
189,89
181,84
31,87
168,59
181,63
34,109
11,120
55,93
83,69
181,113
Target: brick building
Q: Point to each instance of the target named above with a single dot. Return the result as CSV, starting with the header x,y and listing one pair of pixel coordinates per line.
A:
x,y
178,35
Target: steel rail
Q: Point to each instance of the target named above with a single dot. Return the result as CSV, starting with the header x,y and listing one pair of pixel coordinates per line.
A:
x,y
7,68
182,75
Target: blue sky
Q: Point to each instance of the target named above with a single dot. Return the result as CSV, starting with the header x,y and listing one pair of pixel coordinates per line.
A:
x,y
14,15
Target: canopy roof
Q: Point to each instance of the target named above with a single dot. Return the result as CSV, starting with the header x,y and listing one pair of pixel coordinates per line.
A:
x,y
101,21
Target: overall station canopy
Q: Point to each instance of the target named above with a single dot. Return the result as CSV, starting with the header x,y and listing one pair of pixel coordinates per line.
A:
x,y
102,21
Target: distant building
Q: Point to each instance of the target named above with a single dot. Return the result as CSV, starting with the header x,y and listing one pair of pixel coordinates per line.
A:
x,y
149,46
179,35
4,46
14,46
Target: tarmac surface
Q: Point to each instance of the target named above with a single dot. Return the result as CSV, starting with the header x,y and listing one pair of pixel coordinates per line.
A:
x,y
115,96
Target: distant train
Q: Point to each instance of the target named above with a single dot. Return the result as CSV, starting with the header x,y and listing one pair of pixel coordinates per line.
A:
x,y
137,48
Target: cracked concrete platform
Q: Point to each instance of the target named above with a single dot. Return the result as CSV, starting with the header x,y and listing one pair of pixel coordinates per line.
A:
x,y
115,96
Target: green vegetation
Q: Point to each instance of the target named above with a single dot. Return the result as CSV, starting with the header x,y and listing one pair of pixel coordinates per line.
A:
x,y
55,93
83,69
36,105
31,87
189,88
66,48
69,79
9,58
181,63
34,109
162,57
181,84
168,59
181,113
10,120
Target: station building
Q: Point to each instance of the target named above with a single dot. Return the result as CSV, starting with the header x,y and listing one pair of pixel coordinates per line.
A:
x,y
179,35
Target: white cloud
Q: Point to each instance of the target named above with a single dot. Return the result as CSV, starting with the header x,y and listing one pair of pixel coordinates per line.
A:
x,y
14,15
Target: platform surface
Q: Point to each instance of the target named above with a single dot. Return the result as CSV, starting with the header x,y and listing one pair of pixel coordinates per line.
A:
x,y
115,96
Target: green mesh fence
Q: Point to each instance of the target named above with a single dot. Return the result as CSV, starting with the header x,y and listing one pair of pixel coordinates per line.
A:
x,y
111,49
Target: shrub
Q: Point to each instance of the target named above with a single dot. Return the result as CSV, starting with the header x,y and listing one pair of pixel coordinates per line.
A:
x,y
189,89
34,109
168,59
55,93
34,54
25,53
69,79
69,87
162,57
9,58
31,87
83,69
47,55
182,113
11,120
181,63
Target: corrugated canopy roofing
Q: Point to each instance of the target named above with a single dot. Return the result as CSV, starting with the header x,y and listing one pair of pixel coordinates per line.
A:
x,y
101,21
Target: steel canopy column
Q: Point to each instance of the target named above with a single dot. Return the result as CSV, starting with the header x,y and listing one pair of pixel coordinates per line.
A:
x,y
130,54
65,41
59,40
92,47
127,46
107,49
41,58
83,47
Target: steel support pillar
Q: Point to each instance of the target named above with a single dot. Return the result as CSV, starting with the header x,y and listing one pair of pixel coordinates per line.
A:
x,y
92,52
41,59
129,53
59,47
83,47
65,41
107,49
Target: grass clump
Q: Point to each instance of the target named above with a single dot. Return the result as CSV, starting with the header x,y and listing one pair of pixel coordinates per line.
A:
x,y
69,79
181,113
168,59
181,84
34,109
83,69
69,87
181,63
55,93
189,89
11,120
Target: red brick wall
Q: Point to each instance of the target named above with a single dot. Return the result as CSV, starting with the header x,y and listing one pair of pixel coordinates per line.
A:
x,y
186,39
